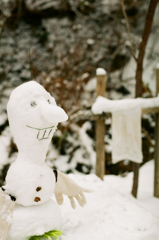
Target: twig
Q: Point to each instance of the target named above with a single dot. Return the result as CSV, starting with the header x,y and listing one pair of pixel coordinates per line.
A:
x,y
128,29
2,27
30,63
148,137
86,115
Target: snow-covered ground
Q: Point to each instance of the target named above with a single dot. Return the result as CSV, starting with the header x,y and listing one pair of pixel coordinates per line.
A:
x,y
111,212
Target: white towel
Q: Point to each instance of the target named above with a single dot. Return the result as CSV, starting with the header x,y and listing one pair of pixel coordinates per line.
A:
x,y
126,135
126,125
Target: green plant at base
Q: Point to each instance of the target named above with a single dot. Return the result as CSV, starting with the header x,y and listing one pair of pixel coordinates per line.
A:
x,y
49,235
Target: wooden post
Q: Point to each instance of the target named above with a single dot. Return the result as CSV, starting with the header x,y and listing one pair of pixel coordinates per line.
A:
x,y
136,167
100,125
156,170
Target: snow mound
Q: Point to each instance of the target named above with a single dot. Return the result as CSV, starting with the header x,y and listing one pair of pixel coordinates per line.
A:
x,y
111,212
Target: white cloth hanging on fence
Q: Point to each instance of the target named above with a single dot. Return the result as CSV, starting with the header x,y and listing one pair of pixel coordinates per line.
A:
x,y
126,135
126,125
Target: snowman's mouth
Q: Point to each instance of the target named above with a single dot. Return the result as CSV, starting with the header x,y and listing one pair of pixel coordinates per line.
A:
x,y
43,133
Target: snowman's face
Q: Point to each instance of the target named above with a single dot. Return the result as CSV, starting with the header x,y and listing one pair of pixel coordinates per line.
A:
x,y
33,113
36,115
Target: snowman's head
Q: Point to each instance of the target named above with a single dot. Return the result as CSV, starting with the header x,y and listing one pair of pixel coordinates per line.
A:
x,y
33,114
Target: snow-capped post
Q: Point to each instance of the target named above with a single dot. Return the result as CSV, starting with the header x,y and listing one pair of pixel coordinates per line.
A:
x,y
156,175
100,125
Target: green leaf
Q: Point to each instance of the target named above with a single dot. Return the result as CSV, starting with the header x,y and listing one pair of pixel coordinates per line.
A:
x,y
47,236
52,234
55,234
34,238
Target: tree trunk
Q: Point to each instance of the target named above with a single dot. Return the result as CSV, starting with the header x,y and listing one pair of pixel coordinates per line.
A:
x,y
142,47
139,71
156,168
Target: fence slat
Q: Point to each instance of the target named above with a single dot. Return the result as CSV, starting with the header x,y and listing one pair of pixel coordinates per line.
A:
x,y
156,171
100,128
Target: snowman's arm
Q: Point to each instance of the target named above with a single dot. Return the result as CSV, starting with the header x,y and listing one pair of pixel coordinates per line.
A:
x,y
67,186
6,206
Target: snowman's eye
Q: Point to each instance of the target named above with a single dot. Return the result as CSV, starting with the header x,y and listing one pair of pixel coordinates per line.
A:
x,y
33,104
49,101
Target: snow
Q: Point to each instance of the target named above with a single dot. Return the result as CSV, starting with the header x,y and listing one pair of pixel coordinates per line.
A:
x,y
84,76
129,70
4,146
105,105
91,85
90,41
3,118
111,212
87,142
100,71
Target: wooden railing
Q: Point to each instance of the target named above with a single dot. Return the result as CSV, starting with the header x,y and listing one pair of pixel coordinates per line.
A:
x,y
100,133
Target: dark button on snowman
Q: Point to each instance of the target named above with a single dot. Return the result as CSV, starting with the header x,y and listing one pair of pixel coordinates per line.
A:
x,y
33,118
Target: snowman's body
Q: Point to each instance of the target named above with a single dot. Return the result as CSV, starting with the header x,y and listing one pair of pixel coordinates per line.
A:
x,y
33,117
34,183
34,220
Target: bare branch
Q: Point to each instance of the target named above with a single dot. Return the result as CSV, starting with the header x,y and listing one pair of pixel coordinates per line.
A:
x,y
142,47
128,29
86,115
148,137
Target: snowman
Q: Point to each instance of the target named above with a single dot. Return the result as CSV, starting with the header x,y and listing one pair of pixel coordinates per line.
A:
x,y
30,183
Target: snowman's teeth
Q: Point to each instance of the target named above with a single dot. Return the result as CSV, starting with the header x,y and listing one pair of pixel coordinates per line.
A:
x,y
43,135
49,132
38,134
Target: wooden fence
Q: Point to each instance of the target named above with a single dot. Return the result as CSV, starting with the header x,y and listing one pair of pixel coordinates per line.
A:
x,y
100,134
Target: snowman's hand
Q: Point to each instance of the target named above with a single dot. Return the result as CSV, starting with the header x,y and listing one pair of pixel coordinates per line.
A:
x,y
67,186
80,198
6,206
